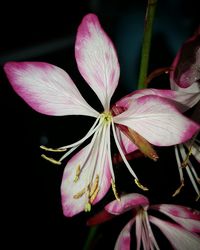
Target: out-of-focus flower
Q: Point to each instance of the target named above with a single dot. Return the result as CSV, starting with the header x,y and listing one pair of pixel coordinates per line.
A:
x,y
185,78
148,119
182,234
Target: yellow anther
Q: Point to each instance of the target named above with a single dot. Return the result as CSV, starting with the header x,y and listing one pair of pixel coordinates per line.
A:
x,y
178,189
78,171
140,185
94,186
79,194
115,190
94,195
51,160
87,207
53,149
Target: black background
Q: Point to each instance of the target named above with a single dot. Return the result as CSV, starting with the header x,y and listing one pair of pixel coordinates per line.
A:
x,y
32,214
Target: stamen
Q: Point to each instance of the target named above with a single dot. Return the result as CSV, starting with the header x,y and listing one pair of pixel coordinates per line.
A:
x,y
140,185
198,196
178,189
51,160
94,195
94,186
115,190
79,194
53,149
185,162
78,171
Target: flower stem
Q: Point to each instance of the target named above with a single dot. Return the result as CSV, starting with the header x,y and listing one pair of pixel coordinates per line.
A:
x,y
150,13
90,238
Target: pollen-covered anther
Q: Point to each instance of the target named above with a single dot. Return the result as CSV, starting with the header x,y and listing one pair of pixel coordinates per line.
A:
x,y
53,149
79,194
51,159
78,171
140,185
94,189
178,190
115,190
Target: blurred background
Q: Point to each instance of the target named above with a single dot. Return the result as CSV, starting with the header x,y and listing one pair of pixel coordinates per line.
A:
x,y
37,31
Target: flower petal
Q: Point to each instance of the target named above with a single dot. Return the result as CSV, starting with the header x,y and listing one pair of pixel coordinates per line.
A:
x,y
127,202
124,238
185,216
96,58
181,99
157,121
47,89
92,163
178,237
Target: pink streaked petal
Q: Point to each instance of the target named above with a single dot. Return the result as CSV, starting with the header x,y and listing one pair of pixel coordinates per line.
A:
x,y
126,144
124,238
185,216
96,58
69,188
157,121
126,203
178,237
182,100
47,89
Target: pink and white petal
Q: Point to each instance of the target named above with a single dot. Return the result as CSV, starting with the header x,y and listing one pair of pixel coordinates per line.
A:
x,y
126,203
97,59
180,238
185,216
69,188
124,238
47,89
157,121
182,100
126,144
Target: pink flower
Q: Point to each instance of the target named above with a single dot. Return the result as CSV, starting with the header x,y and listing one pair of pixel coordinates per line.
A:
x,y
185,78
151,119
182,234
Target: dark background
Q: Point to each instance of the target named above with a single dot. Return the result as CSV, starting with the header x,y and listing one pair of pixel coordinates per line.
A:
x,y
32,214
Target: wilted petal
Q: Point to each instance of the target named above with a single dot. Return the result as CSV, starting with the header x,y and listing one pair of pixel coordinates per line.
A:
x,y
186,63
96,58
124,238
180,99
157,121
127,202
47,89
71,188
178,237
185,216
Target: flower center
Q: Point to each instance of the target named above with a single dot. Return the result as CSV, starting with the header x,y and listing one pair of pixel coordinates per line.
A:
x,y
106,117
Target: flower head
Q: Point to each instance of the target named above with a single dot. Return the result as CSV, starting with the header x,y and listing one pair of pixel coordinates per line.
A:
x,y
148,119
182,234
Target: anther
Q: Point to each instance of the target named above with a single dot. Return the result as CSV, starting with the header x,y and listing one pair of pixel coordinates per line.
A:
x,y
51,159
140,185
52,149
178,189
115,190
79,194
87,207
78,171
